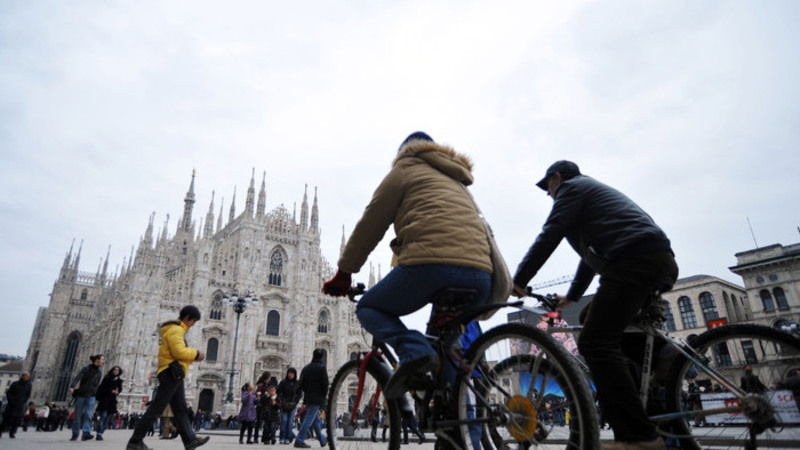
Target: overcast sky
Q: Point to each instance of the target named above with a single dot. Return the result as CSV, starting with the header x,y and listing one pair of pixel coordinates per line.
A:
x,y
691,108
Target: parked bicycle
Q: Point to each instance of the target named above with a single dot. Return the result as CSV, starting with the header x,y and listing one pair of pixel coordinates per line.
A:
x,y
513,386
736,380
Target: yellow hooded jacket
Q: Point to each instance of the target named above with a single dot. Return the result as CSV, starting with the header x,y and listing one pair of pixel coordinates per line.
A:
x,y
173,346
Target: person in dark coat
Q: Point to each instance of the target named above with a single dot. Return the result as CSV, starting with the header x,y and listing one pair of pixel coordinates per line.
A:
x,y
17,394
106,397
289,394
261,395
314,383
272,413
751,383
84,388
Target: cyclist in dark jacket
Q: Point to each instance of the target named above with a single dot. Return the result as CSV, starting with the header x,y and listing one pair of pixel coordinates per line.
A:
x,y
87,381
618,240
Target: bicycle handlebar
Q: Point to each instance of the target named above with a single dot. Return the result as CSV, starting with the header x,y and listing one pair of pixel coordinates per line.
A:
x,y
549,301
356,290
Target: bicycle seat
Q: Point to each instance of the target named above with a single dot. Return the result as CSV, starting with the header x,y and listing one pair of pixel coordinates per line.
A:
x,y
448,304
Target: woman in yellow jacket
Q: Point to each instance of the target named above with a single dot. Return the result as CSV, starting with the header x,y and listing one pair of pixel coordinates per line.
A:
x,y
441,242
174,358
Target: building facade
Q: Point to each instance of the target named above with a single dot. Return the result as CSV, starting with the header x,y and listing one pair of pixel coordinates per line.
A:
x,y
271,254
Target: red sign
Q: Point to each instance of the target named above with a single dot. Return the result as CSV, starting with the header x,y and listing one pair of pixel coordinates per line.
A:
x,y
717,323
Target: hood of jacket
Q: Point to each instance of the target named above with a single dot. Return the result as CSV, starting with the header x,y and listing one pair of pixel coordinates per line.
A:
x,y
446,160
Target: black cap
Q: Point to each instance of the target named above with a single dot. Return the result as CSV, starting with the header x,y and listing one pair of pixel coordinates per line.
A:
x,y
567,169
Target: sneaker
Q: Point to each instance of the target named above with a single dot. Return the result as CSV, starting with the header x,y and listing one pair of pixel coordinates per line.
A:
x,y
298,444
74,437
137,446
87,437
197,442
398,383
99,437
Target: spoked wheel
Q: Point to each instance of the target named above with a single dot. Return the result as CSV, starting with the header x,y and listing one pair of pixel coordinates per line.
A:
x,y
344,403
521,389
770,413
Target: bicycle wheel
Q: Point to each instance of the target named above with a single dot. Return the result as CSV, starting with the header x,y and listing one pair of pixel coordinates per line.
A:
x,y
521,389
774,359
354,412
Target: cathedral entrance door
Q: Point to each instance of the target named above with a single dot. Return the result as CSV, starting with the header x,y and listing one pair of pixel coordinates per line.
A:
x,y
206,400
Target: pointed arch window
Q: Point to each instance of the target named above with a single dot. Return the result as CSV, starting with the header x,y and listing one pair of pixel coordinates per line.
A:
x,y
67,365
273,323
322,322
708,306
687,312
766,300
276,268
211,349
780,298
217,307
84,294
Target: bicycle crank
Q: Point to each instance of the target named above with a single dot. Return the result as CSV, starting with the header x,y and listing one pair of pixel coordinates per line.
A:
x,y
522,422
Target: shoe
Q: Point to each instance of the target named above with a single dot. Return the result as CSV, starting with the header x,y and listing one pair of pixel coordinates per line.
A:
x,y
99,437
74,437
323,443
137,446
87,437
655,444
299,444
273,442
197,442
398,383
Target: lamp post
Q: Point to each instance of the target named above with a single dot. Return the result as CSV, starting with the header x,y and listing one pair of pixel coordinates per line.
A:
x,y
239,304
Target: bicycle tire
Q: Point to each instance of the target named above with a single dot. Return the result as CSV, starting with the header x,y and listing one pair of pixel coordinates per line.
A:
x,y
787,355
553,361
376,374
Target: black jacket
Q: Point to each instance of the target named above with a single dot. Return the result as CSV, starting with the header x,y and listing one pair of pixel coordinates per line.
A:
x,y
289,392
106,401
314,382
600,223
18,394
89,379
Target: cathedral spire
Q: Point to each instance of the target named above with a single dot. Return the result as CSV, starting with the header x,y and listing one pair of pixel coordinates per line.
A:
x,y
232,214
209,228
164,230
341,246
105,264
371,281
251,195
315,214
77,261
219,217
304,210
148,233
124,265
130,260
262,196
68,257
188,204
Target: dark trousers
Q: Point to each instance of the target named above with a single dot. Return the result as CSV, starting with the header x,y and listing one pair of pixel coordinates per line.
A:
x,y
170,392
626,286
10,422
271,424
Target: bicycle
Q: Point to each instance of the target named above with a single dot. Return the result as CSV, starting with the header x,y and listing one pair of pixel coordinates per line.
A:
x,y
512,386
667,367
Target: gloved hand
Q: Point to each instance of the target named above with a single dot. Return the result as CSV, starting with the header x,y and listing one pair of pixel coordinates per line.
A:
x,y
338,285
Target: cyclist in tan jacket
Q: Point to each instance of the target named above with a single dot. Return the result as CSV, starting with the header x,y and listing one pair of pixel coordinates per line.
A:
x,y
441,242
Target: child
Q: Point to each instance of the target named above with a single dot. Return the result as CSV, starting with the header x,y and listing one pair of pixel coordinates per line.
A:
x,y
247,414
272,414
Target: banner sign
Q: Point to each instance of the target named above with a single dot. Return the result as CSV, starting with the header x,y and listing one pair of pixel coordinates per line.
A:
x,y
783,401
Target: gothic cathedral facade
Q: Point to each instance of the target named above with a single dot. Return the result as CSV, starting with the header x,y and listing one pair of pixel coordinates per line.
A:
x,y
267,253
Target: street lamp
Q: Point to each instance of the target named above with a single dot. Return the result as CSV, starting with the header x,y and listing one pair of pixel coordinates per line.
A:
x,y
239,304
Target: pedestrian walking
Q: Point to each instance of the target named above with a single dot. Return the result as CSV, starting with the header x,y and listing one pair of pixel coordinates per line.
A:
x,y
314,384
289,394
174,358
107,393
17,395
84,388
247,413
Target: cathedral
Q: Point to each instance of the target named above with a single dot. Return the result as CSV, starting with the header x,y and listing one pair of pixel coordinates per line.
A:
x,y
268,254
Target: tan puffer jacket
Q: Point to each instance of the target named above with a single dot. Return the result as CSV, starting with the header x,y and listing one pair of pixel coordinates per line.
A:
x,y
434,217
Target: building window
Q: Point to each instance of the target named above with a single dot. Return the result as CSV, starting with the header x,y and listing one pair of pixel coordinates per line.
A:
x,y
67,365
749,352
211,349
322,323
708,307
273,323
84,294
670,318
687,313
780,298
722,355
217,307
276,268
766,300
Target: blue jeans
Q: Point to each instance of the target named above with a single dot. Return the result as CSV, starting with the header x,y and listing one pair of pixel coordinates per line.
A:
x,y
407,289
84,409
105,417
308,421
287,423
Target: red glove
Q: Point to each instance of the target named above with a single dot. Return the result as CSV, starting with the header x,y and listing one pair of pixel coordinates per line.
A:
x,y
338,285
